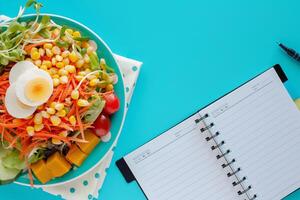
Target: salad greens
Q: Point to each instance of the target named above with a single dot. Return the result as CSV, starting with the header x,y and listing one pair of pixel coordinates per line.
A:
x,y
94,111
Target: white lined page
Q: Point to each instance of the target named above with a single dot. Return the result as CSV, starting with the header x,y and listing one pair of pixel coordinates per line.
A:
x,y
179,165
260,124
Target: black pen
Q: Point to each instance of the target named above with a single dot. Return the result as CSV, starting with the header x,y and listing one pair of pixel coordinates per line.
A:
x,y
290,52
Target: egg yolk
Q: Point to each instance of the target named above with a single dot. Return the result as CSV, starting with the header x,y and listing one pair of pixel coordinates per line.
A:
x,y
37,90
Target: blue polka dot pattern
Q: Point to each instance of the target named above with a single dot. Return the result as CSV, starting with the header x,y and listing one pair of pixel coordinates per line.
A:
x,y
90,196
97,175
72,190
85,183
134,68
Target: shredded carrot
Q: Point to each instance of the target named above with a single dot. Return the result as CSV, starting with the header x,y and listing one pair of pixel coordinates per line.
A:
x,y
12,125
55,94
72,111
49,135
27,48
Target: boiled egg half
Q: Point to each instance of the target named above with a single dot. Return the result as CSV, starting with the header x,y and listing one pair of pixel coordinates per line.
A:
x,y
29,88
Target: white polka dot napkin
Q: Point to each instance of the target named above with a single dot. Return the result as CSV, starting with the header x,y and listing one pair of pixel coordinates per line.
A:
x,y
87,187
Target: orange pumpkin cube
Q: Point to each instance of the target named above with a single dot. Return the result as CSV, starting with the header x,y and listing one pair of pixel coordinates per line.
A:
x,y
92,141
75,155
41,171
58,165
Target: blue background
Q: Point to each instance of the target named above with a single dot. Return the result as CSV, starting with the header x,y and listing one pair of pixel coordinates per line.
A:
x,y
193,52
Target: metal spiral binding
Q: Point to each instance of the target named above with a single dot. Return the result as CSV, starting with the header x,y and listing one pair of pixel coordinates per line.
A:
x,y
223,155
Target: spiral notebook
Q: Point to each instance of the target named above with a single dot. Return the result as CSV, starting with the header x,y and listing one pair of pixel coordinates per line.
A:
x,y
243,146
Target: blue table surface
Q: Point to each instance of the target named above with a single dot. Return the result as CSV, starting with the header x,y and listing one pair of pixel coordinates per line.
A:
x,y
193,52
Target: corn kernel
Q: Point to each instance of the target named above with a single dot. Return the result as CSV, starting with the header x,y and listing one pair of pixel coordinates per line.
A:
x,y
35,55
55,82
55,120
44,67
38,63
53,61
94,82
48,46
59,106
78,78
82,103
53,71
49,53
91,77
38,119
63,72
63,79
42,51
60,65
109,87
33,49
55,76
56,50
45,114
56,141
70,68
72,120
79,63
51,111
73,57
70,31
59,58
65,54
47,63
76,34
66,61
75,94
53,104
38,127
61,113
30,130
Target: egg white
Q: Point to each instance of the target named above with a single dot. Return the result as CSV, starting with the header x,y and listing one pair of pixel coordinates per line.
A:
x,y
20,68
25,78
15,107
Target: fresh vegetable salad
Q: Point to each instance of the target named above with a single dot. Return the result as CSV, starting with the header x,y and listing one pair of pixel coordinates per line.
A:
x,y
56,98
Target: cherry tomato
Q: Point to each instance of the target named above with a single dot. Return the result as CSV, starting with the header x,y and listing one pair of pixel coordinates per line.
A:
x,y
102,125
112,104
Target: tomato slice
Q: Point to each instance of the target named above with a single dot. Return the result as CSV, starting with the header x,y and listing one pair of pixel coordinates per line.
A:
x,y
102,125
112,103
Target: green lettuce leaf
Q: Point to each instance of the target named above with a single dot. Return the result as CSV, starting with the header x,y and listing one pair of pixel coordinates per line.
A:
x,y
95,65
95,110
